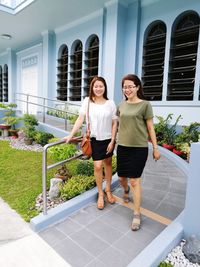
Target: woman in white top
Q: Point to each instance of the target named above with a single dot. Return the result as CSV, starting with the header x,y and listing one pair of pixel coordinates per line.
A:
x,y
103,129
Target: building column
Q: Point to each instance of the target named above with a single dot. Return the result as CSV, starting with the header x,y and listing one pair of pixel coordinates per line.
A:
x,y
191,221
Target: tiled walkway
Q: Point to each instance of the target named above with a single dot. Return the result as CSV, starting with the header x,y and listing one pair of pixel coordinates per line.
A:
x,y
93,238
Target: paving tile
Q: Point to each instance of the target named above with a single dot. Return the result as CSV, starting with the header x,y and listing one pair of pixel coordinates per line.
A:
x,y
83,217
73,253
153,226
68,226
52,236
104,231
92,209
142,236
112,257
157,184
149,203
129,246
175,199
153,194
178,188
89,242
120,218
168,210
96,263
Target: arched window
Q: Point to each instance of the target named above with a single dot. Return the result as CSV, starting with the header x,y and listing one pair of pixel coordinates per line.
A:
x,y
76,72
62,73
183,54
91,62
153,61
1,84
5,83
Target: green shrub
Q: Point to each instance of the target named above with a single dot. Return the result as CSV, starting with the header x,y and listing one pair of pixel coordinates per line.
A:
x,y
85,167
165,130
77,185
165,264
42,138
62,152
30,119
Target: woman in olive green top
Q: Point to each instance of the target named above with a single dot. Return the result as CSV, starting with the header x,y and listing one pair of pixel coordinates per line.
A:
x,y
135,118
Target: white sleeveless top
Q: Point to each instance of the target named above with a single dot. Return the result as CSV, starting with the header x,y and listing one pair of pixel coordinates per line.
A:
x,y
100,117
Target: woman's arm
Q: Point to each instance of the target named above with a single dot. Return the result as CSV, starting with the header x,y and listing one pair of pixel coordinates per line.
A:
x,y
152,134
113,138
77,125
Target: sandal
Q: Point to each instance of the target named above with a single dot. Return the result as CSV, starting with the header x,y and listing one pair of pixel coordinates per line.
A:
x,y
100,202
126,195
136,223
110,197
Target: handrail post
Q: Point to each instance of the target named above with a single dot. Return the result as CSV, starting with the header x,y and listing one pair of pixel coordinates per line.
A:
x,y
27,99
65,116
45,168
43,120
44,180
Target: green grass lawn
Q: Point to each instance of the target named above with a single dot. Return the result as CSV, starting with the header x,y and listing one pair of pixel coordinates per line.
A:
x,y
21,178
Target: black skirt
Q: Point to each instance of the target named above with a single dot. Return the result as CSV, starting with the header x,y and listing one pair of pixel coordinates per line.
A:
x,y
131,161
99,149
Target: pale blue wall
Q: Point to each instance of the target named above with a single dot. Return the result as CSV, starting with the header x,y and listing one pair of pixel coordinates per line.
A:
x,y
120,28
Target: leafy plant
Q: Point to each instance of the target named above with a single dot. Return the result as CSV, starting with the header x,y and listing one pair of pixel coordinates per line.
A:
x,y
61,152
85,167
165,264
77,185
30,121
189,134
42,138
10,118
165,131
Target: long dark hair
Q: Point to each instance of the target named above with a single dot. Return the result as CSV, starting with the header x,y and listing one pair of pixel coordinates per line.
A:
x,y
134,78
91,93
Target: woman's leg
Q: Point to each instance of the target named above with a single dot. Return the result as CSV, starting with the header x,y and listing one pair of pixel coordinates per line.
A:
x,y
136,190
98,164
124,183
108,177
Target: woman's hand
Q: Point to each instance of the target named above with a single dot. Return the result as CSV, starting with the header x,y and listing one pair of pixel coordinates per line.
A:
x,y
156,154
68,138
110,147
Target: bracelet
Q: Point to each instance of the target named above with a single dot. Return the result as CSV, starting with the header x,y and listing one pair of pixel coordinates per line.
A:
x,y
155,147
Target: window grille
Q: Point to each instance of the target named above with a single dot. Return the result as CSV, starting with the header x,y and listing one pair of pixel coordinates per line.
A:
x,y
76,73
183,55
5,83
91,63
1,84
62,74
153,61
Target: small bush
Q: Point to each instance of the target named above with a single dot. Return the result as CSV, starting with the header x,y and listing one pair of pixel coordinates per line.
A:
x,y
165,264
77,185
42,138
62,152
85,167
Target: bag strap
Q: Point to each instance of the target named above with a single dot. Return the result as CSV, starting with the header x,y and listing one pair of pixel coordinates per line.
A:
x,y
87,118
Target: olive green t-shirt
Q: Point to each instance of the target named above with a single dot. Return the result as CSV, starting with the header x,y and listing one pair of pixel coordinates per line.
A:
x,y
132,117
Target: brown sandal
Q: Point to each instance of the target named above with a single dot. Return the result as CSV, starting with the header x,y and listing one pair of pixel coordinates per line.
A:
x,y
136,223
126,195
100,202
110,197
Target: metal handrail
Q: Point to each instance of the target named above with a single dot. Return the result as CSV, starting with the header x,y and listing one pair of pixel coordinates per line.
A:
x,y
45,168
45,106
